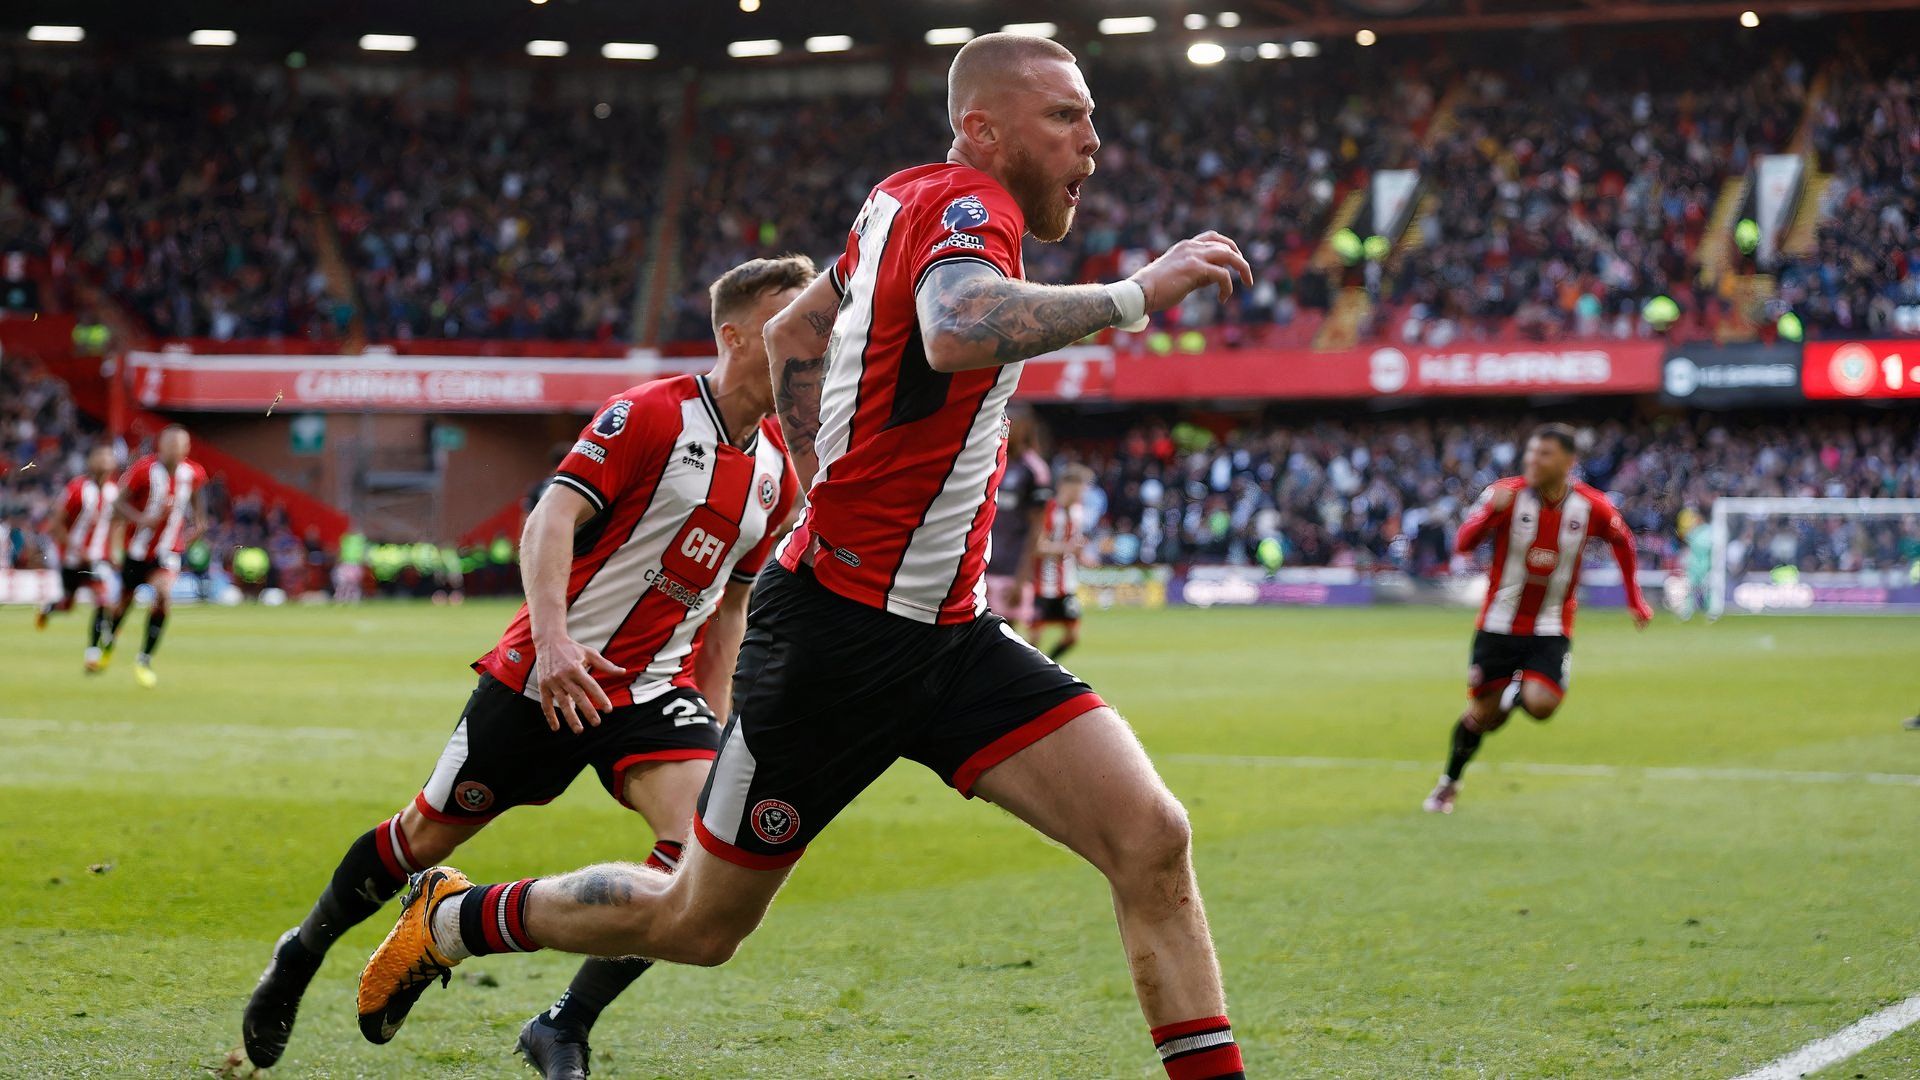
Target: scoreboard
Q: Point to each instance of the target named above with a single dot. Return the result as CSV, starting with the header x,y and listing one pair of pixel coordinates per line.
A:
x,y
1860,370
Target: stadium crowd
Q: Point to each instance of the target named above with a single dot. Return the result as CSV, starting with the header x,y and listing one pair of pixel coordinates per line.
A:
x,y
1867,135
1388,494
492,223
1557,198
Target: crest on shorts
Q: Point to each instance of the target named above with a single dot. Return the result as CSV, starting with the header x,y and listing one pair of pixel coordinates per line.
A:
x,y
774,822
614,420
965,212
769,492
473,796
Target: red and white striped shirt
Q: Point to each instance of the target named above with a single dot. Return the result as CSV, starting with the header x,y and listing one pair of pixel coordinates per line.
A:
x,y
1058,575
89,514
910,458
150,486
1535,574
680,511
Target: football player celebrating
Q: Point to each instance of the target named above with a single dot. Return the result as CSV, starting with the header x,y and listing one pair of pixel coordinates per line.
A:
x,y
1056,571
637,562
163,497
870,640
82,529
1522,645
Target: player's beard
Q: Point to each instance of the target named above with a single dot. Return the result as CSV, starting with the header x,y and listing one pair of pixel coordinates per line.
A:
x,y
1042,198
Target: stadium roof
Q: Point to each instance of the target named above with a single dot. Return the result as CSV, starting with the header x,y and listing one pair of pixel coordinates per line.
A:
x,y
699,32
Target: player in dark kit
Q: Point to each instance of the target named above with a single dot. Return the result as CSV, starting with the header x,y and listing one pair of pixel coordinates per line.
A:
x,y
1025,489
83,531
1523,642
870,640
163,498
637,562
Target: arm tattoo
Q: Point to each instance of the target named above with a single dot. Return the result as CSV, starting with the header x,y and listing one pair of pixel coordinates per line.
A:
x,y
1016,319
602,887
822,323
796,399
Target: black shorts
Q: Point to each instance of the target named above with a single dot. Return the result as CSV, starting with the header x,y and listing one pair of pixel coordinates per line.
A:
x,y
75,578
503,754
830,692
1050,609
1498,657
137,572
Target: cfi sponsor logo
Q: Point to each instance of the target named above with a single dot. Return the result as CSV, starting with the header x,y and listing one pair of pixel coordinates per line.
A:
x,y
774,821
963,213
614,420
473,796
1542,560
769,492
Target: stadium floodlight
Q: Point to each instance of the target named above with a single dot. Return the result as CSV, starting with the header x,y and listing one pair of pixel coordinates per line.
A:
x,y
753,47
56,33
1304,49
1749,19
749,6
1134,24
630,50
950,35
1365,37
544,47
388,42
218,39
1206,52
1195,21
829,43
1227,19
1031,29
1271,50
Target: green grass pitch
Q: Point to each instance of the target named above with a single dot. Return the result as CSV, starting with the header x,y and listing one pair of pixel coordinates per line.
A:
x,y
1579,922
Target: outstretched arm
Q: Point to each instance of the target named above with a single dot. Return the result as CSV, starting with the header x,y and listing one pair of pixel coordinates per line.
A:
x,y
972,317
1492,509
797,342
1620,538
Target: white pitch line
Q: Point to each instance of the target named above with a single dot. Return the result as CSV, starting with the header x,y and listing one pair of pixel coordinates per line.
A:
x,y
1840,1045
1547,768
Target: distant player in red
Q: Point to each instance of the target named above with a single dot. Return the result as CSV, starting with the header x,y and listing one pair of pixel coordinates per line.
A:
x,y
637,562
163,499
871,641
82,530
1056,566
1522,650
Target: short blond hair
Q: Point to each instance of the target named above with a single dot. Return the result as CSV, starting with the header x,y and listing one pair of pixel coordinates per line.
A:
x,y
992,55
737,289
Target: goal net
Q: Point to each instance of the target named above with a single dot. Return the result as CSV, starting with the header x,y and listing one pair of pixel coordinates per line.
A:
x,y
1811,555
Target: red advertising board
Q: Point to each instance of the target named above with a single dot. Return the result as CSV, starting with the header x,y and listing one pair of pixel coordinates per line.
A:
x,y
1861,369
381,383
1609,367
434,383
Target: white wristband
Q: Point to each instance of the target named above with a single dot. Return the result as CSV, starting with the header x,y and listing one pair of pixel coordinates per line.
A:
x,y
1131,301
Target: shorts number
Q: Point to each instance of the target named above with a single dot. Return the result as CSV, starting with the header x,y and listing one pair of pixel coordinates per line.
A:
x,y
685,713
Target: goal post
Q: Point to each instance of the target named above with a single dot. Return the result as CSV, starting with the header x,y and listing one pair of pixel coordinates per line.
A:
x,y
1814,555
